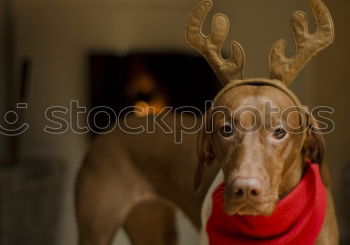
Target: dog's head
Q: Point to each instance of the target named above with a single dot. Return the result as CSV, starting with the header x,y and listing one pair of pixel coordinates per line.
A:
x,y
257,130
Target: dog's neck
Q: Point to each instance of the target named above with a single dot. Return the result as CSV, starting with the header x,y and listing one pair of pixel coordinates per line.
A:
x,y
297,218
292,176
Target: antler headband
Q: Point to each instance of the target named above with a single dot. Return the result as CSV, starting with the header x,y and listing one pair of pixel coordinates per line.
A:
x,y
281,68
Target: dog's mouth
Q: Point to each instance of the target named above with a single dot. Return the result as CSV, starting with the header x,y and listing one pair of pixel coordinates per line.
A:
x,y
247,207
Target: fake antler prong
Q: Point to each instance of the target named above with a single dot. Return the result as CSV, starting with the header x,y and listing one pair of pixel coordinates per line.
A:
x,y
210,46
308,45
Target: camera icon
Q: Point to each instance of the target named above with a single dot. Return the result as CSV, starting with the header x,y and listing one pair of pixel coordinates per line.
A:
x,y
13,125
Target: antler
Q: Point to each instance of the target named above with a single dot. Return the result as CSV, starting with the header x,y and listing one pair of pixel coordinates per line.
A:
x,y
308,45
210,47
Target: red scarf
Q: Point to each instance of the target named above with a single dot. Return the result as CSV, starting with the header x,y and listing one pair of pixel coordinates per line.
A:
x,y
297,219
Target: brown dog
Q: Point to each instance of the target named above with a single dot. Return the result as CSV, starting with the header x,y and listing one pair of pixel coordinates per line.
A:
x,y
262,166
125,179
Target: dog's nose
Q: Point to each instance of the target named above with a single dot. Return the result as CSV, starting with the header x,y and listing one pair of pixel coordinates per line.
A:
x,y
246,187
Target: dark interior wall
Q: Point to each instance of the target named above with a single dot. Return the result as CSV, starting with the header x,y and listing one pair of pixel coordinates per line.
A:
x,y
2,74
331,86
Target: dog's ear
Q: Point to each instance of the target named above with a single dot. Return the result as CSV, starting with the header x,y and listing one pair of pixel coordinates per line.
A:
x,y
205,157
314,149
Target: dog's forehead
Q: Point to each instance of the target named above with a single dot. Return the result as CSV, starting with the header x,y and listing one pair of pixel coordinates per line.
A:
x,y
258,96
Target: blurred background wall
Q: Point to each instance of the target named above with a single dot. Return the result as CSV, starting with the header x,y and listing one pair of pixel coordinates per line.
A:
x,y
330,86
57,36
2,74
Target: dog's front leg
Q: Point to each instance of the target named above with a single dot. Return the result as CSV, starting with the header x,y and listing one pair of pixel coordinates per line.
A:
x,y
207,208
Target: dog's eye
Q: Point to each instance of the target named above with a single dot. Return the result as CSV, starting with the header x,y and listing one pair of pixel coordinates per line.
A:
x,y
279,133
226,131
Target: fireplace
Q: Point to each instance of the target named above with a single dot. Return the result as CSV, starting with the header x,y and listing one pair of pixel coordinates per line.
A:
x,y
148,80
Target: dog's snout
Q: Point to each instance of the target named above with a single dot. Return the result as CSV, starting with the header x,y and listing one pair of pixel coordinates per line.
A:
x,y
246,187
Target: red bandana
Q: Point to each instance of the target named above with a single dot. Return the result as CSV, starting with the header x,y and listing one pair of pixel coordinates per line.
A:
x,y
297,218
